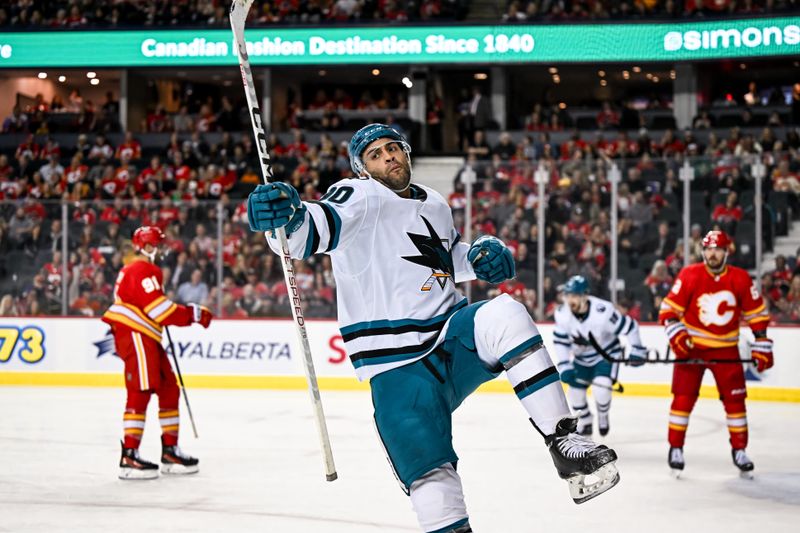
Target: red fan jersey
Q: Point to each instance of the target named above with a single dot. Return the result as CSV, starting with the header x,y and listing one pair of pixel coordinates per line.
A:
x,y
712,305
140,304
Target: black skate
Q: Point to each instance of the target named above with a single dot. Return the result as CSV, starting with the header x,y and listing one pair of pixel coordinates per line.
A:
x,y
585,421
676,463
603,425
131,466
174,461
576,458
743,463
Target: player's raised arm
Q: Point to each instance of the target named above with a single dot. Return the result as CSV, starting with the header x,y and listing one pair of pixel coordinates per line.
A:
x,y
312,227
461,264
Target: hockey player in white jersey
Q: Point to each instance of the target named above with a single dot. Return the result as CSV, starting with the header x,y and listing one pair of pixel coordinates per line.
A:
x,y
579,363
396,257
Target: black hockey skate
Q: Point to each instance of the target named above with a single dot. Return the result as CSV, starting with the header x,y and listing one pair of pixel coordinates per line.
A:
x,y
585,421
174,461
576,458
743,463
131,466
603,425
676,463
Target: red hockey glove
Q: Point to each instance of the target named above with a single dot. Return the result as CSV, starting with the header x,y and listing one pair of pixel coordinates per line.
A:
x,y
761,350
201,314
679,340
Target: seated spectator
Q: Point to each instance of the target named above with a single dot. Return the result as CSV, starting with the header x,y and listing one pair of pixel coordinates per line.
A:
x,y
130,148
101,149
16,122
21,229
659,281
158,121
751,97
478,146
8,306
675,259
784,178
515,12
607,118
193,291
505,148
727,215
75,101
782,275
703,121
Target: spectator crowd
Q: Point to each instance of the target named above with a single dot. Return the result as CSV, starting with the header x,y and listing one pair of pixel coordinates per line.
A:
x,y
564,10
99,14
650,204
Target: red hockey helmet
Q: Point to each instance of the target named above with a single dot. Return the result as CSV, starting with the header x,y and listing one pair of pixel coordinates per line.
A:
x,y
717,239
147,235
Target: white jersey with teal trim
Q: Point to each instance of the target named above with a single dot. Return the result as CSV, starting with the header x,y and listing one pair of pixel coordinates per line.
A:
x,y
395,261
571,334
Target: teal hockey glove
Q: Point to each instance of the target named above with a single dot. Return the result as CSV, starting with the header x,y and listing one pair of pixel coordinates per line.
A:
x,y
491,260
637,355
566,371
275,205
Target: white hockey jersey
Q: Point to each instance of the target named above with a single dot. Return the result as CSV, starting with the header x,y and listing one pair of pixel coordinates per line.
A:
x,y
395,261
606,324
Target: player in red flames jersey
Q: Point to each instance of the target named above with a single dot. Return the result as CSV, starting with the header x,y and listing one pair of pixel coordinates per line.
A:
x,y
138,317
702,313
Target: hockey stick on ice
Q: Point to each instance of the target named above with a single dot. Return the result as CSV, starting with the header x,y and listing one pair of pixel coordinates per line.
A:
x,y
617,387
239,10
627,360
180,380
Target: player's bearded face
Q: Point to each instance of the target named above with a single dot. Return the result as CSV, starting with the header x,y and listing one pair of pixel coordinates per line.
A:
x,y
576,303
715,258
387,162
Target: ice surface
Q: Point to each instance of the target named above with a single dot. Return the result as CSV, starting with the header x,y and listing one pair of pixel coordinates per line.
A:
x,y
261,468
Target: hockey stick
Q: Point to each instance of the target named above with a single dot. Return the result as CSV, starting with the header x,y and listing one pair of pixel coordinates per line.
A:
x,y
180,380
238,15
616,388
658,360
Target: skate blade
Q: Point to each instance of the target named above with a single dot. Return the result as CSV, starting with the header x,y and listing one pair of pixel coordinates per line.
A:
x,y
601,480
748,475
134,474
174,469
675,473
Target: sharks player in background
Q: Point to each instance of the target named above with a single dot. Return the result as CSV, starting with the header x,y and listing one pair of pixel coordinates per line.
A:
x,y
396,257
579,363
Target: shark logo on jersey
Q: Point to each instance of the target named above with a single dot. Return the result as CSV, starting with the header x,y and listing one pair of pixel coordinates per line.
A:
x,y
434,255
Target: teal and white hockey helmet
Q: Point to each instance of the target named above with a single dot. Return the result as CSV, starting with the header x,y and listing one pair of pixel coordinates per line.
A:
x,y
576,285
369,133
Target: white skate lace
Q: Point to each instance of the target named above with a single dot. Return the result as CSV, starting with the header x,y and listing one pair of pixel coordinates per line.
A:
x,y
574,446
741,458
676,455
178,453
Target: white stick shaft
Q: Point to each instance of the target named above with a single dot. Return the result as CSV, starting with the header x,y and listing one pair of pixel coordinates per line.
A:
x,y
239,10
